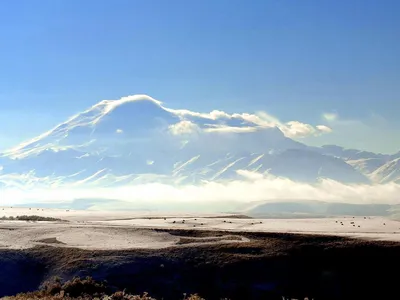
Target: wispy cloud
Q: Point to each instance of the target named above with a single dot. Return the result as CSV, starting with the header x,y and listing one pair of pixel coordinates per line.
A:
x,y
323,128
229,129
330,116
250,123
295,129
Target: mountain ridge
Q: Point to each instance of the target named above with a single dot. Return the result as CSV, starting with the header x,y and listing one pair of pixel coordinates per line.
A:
x,y
123,141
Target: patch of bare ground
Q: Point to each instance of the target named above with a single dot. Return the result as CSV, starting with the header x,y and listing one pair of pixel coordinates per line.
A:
x,y
193,232
51,240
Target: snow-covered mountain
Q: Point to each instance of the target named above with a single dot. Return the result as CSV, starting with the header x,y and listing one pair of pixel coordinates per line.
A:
x,y
379,168
367,165
136,139
389,172
295,208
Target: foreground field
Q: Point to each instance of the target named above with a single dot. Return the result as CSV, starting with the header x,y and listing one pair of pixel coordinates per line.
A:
x,y
267,266
217,256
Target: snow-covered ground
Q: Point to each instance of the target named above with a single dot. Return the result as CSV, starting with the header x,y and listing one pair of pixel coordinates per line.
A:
x,y
124,230
94,215
351,226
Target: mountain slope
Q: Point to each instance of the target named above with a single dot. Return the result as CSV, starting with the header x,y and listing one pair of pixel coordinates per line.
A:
x,y
367,165
349,154
304,165
389,172
136,139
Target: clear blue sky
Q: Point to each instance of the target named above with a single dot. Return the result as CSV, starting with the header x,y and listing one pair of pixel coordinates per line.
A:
x,y
293,59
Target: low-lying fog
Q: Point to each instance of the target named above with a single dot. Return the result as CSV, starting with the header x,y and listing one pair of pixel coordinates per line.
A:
x,y
256,194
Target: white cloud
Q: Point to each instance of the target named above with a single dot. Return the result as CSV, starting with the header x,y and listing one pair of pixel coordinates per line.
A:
x,y
183,127
213,115
324,129
292,129
229,129
295,129
119,131
330,116
217,114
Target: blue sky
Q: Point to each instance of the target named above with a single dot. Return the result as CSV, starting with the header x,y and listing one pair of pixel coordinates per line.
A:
x,y
297,60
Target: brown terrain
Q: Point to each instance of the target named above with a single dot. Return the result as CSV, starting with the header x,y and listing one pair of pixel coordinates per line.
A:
x,y
268,266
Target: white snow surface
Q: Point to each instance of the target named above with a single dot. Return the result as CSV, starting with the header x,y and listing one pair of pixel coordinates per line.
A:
x,y
132,230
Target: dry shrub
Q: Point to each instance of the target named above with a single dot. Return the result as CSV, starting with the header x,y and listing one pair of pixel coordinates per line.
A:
x,y
123,296
194,297
88,286
82,289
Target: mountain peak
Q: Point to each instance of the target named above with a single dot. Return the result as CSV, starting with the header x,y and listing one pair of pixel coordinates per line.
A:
x,y
108,105
120,141
105,116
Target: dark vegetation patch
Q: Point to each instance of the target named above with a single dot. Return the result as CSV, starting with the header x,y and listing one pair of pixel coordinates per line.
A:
x,y
188,240
32,218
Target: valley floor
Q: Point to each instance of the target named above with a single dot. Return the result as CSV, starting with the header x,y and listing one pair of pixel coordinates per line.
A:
x,y
216,256
137,230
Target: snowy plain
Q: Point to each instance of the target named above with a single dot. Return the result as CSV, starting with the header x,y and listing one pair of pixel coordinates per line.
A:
x,y
132,230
